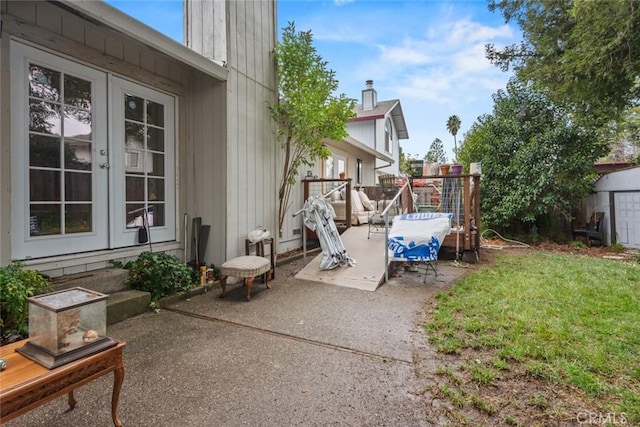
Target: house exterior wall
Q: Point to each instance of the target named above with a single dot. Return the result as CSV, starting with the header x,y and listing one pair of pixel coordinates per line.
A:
x,y
251,154
203,160
381,165
352,154
200,107
364,131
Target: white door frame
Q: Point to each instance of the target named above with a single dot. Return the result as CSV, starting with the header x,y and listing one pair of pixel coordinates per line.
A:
x,y
23,244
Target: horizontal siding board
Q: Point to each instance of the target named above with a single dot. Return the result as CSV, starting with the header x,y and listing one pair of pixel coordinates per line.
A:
x,y
114,48
49,17
147,62
95,39
26,11
131,55
90,56
73,28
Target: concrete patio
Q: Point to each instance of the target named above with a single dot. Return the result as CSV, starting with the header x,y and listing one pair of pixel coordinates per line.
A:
x,y
302,353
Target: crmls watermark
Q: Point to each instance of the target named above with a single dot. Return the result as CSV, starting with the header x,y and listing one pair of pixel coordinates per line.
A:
x,y
599,418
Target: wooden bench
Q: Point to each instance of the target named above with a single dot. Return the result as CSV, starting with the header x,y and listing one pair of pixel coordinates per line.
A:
x,y
248,268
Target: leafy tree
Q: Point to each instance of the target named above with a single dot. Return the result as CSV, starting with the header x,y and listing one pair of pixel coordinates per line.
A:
x,y
436,152
308,112
536,161
453,126
625,138
583,54
405,162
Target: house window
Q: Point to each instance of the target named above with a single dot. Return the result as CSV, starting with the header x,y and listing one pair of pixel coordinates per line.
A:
x,y
388,136
359,171
81,159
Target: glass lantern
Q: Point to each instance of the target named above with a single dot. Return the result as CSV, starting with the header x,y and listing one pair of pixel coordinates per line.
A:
x,y
65,326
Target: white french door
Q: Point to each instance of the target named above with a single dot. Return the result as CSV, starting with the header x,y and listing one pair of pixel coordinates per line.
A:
x,y
143,167
71,174
59,141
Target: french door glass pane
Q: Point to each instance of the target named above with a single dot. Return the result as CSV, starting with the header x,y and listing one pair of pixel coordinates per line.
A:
x,y
135,214
44,117
77,186
77,218
77,92
44,185
77,155
144,161
155,114
133,108
135,189
44,220
156,190
44,83
158,214
77,123
60,167
44,151
156,139
157,165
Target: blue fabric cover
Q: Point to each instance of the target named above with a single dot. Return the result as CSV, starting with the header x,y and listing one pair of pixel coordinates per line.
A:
x,y
418,236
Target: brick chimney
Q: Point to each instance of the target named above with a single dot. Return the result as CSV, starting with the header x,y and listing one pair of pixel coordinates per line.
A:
x,y
369,96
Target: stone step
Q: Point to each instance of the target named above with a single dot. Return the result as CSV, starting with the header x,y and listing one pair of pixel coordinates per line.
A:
x,y
105,281
125,304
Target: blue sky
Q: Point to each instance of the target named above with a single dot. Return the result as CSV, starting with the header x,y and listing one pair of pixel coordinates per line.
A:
x,y
427,53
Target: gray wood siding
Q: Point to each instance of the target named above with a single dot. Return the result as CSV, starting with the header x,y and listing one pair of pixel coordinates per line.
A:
x,y
201,127
61,31
5,155
251,157
364,132
202,162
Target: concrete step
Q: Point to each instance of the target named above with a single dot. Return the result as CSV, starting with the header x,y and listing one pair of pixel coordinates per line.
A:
x,y
106,281
122,303
125,304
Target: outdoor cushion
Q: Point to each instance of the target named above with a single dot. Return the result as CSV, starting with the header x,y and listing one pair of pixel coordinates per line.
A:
x,y
245,266
356,204
366,202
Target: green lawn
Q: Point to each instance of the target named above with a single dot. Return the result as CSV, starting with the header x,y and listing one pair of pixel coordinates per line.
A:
x,y
570,321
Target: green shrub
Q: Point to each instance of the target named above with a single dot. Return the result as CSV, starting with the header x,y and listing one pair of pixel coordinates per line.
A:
x,y
578,244
16,285
160,274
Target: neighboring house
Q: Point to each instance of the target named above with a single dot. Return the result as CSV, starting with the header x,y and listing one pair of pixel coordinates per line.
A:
x,y
380,125
371,149
617,194
104,116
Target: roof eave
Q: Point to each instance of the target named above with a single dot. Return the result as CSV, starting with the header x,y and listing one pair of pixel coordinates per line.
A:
x,y
121,22
364,147
399,122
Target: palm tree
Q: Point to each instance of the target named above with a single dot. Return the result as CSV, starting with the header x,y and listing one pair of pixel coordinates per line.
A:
x,y
453,125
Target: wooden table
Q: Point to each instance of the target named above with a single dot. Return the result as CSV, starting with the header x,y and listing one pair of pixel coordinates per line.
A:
x,y
25,384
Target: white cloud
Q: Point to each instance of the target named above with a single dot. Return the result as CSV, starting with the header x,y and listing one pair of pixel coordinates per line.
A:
x,y
428,54
407,54
462,32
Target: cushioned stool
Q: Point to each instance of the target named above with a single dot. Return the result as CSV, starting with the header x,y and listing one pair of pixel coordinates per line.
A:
x,y
246,267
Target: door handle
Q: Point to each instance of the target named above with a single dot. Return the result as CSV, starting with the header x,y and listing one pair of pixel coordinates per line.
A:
x,y
104,165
